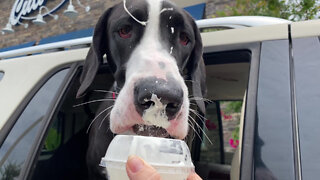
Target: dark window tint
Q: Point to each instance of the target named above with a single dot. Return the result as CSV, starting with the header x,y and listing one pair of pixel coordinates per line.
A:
x,y
1,75
306,54
18,143
62,154
273,154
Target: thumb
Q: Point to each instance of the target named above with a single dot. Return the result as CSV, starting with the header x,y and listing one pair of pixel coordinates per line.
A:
x,y
137,169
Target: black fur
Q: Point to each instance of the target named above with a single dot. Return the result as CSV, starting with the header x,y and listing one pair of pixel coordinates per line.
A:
x,y
107,42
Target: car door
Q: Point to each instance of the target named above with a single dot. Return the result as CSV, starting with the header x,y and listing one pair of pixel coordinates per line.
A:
x,y
266,133
42,81
306,61
273,140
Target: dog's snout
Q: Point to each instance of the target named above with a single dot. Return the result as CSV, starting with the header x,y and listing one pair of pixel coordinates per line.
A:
x,y
169,93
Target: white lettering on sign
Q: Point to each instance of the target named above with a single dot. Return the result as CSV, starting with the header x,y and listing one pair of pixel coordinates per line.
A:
x,y
23,8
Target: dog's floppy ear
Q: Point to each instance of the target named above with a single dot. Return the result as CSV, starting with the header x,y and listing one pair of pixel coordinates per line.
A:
x,y
196,70
95,55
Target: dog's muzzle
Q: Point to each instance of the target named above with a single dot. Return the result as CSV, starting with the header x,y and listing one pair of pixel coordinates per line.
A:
x,y
152,91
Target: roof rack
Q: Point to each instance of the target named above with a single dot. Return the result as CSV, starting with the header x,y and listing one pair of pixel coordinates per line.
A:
x,y
235,22
223,22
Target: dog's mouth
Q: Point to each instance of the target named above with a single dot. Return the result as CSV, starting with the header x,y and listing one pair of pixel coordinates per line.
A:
x,y
155,131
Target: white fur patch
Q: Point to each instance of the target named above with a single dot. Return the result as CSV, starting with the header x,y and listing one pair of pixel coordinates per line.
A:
x,y
144,62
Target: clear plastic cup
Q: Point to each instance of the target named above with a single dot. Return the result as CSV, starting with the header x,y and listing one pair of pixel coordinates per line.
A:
x,y
170,157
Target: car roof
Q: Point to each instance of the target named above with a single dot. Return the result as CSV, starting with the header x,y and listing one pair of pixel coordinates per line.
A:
x,y
264,28
41,64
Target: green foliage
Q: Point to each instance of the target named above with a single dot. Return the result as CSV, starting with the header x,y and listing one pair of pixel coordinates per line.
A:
x,y
235,133
10,171
304,10
233,106
53,140
292,10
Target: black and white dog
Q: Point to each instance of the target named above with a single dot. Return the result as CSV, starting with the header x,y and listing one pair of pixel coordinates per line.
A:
x,y
153,48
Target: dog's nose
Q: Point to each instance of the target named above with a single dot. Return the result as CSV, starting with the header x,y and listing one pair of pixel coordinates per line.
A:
x,y
168,92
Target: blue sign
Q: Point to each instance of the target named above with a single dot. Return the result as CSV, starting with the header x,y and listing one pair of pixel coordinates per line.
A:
x,y
22,8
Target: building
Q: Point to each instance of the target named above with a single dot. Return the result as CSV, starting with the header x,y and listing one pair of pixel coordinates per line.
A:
x,y
21,15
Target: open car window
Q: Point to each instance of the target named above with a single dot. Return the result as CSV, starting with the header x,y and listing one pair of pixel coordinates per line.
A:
x,y
227,81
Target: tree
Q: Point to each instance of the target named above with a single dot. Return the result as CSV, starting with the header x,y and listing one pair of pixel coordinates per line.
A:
x,y
294,10
10,172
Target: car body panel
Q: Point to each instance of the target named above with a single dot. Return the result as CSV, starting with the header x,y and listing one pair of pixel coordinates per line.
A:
x,y
184,3
274,120
268,123
307,74
305,29
22,74
244,35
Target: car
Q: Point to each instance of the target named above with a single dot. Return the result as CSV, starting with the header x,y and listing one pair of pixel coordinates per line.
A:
x,y
272,68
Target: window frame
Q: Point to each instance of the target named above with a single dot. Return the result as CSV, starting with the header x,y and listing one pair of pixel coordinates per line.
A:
x,y
247,148
13,119
27,170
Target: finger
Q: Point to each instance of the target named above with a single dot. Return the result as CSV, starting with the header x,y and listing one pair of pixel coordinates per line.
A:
x,y
194,176
137,169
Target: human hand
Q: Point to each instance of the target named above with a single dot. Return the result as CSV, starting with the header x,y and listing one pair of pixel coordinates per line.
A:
x,y
138,169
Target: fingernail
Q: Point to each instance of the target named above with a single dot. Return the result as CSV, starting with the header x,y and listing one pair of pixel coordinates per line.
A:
x,y
135,164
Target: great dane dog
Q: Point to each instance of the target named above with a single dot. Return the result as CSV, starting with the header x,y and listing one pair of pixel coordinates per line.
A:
x,y
154,51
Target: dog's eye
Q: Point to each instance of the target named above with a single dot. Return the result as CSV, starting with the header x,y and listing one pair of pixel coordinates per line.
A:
x,y
184,40
125,32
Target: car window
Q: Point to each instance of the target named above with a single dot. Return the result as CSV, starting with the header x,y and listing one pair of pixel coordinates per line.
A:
x,y
224,141
306,56
230,116
227,80
19,141
62,154
211,143
1,75
273,150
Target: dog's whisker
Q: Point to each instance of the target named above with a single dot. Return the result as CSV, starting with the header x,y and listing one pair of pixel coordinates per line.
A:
x,y
201,129
192,126
104,91
202,118
97,117
189,135
198,115
194,130
104,119
188,80
200,98
94,101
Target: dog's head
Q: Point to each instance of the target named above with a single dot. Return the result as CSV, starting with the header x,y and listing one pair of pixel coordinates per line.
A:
x,y
153,48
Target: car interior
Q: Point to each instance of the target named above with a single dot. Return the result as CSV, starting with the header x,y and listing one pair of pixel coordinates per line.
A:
x,y
62,155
